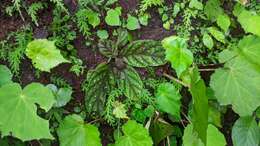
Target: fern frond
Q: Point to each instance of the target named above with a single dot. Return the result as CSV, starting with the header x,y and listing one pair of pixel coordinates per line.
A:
x,y
33,9
60,5
82,22
145,4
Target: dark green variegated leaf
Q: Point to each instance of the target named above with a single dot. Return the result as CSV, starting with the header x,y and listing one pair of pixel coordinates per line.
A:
x,y
106,48
245,132
131,83
144,53
74,132
98,85
200,109
122,38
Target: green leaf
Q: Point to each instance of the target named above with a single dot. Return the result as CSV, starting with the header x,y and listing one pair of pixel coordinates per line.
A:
x,y
245,132
99,80
6,75
168,99
200,108
214,116
62,96
102,34
177,53
215,137
74,132
119,110
93,18
237,84
249,21
144,53
131,83
213,9
218,35
144,19
44,54
132,23
113,17
134,135
160,130
190,138
223,22
196,4
18,111
248,48
208,41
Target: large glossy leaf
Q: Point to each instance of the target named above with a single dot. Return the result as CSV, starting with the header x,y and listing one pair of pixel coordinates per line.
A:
x,y
134,135
245,132
215,137
74,132
169,99
5,75
249,21
44,54
144,53
131,83
237,84
98,85
213,10
200,108
18,111
177,53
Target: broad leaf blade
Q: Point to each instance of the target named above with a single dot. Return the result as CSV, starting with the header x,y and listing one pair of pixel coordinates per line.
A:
x,y
6,75
22,119
74,132
134,135
245,132
44,54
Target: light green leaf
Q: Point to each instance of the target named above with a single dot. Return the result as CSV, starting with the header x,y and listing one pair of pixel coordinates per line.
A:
x,y
93,18
196,4
62,96
218,35
130,81
215,137
237,84
177,53
134,135
113,17
213,9
248,48
18,111
214,116
44,54
74,132
208,41
119,110
249,21
223,22
245,132
5,75
144,19
102,34
144,53
168,99
132,23
200,108
190,138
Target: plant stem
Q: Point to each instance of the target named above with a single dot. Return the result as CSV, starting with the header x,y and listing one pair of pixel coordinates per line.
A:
x,y
176,80
207,69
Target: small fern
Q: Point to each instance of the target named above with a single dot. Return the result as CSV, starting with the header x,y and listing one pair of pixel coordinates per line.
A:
x,y
82,22
59,81
33,9
145,4
60,5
